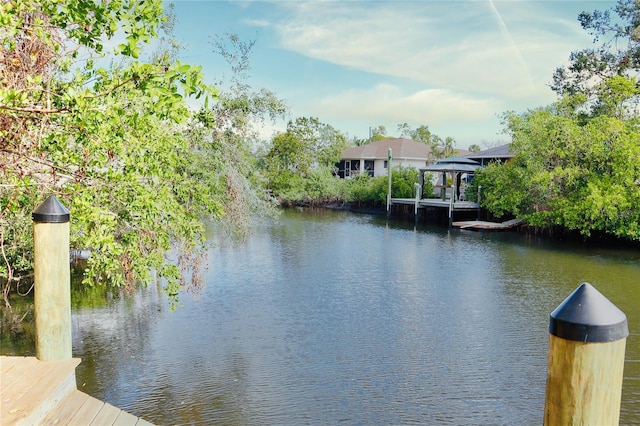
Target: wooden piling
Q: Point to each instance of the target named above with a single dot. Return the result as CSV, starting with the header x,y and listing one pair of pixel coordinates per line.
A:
x,y
417,189
390,180
478,201
52,287
586,360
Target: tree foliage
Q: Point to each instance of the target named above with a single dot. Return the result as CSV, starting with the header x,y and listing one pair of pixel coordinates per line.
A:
x,y
364,188
567,173
323,143
231,139
378,133
440,148
307,149
105,132
577,162
618,32
421,133
288,153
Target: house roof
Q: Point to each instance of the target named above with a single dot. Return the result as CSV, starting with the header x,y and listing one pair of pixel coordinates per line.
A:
x,y
502,151
401,149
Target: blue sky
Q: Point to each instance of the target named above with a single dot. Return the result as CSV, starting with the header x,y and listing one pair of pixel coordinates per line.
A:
x,y
452,65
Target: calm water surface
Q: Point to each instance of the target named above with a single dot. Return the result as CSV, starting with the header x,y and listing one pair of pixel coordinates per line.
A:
x,y
328,318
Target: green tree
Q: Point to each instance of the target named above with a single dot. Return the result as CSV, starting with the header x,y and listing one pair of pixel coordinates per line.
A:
x,y
323,143
440,148
403,180
229,140
577,163
378,133
366,189
420,134
617,55
288,153
307,150
568,173
355,141
104,136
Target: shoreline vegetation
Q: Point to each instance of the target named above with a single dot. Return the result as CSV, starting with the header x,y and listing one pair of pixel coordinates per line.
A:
x,y
597,239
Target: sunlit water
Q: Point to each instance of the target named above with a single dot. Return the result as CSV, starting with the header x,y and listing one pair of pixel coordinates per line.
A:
x,y
326,317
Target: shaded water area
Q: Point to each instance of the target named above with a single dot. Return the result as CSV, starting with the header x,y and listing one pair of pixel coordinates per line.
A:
x,y
327,317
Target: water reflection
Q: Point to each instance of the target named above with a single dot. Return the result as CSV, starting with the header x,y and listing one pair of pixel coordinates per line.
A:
x,y
327,317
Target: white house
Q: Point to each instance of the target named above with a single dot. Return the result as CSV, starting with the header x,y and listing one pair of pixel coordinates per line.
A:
x,y
372,158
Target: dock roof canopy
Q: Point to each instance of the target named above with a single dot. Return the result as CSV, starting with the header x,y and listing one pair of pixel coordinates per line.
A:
x,y
453,164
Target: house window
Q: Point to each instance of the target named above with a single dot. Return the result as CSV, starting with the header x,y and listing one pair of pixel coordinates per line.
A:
x,y
385,164
368,167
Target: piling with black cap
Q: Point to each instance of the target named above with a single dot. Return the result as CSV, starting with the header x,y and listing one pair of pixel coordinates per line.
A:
x,y
586,360
52,287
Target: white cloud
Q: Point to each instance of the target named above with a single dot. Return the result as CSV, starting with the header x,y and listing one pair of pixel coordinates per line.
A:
x,y
257,23
434,106
452,65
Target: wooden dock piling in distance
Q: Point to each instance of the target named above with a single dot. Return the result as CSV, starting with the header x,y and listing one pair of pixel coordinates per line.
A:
x,y
586,360
42,390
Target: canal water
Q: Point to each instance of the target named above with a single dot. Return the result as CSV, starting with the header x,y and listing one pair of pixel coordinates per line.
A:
x,y
325,317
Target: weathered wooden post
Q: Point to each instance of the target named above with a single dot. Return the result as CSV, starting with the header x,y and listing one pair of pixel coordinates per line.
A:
x,y
52,288
389,159
586,360
451,207
418,190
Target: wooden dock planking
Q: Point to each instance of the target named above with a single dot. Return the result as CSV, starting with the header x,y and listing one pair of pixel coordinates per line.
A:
x,y
487,226
437,202
34,389
126,419
9,372
66,411
106,416
87,411
33,392
7,364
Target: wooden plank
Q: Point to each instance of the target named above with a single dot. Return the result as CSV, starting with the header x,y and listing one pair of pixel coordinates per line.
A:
x,y
106,416
66,410
125,419
16,367
40,388
88,412
33,392
143,422
8,362
24,378
479,224
52,389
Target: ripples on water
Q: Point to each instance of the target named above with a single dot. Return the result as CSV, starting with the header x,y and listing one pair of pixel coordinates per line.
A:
x,y
329,318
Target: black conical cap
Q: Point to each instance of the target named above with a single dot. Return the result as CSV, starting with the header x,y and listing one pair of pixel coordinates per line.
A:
x,y
587,316
51,211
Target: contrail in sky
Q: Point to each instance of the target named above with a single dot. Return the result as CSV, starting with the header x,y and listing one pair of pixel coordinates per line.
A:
x,y
514,46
